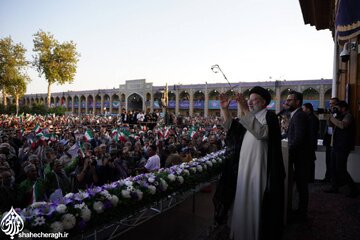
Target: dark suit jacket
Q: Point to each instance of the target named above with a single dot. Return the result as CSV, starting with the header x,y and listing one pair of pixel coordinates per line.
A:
x,y
313,123
298,131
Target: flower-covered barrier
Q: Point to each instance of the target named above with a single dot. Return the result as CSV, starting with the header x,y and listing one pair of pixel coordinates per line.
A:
x,y
95,206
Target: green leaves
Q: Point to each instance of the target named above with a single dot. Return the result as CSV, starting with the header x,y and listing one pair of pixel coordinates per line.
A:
x,y
57,61
13,64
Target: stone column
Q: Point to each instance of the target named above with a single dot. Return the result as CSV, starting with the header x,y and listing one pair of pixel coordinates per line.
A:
x,y
277,99
66,103
111,106
322,97
126,102
238,107
86,104
151,102
144,102
72,104
79,106
191,105
221,91
177,102
206,103
102,104
94,104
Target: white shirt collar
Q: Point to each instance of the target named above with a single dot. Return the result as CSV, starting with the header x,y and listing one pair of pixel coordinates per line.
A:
x,y
293,112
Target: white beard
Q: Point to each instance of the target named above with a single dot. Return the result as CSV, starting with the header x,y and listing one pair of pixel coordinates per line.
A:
x,y
255,109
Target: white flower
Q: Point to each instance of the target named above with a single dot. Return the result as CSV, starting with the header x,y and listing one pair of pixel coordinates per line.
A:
x,y
186,172
214,161
171,177
219,160
98,207
85,214
151,179
106,194
69,195
128,183
39,221
121,182
163,184
38,204
56,227
152,189
193,169
130,188
204,166
210,164
114,200
125,193
80,206
180,179
61,208
199,168
139,193
68,221
82,195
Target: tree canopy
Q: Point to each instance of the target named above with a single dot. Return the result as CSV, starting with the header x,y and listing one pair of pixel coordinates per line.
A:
x,y
12,65
56,61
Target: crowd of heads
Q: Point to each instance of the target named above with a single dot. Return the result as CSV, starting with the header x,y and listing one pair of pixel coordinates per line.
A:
x,y
44,157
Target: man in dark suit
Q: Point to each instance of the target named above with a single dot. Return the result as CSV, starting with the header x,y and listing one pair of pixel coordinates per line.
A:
x,y
327,140
313,122
299,155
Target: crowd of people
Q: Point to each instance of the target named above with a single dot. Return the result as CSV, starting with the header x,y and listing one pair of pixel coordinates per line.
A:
x,y
44,157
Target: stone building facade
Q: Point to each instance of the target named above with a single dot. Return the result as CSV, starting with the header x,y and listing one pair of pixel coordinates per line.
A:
x,y
192,99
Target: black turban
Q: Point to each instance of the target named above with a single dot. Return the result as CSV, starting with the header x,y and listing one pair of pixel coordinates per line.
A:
x,y
262,92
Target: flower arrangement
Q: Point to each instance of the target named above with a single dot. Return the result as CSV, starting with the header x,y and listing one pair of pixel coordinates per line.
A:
x,y
84,209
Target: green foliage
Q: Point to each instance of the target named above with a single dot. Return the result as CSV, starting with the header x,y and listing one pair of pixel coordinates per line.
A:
x,y
8,109
37,108
57,110
12,66
56,61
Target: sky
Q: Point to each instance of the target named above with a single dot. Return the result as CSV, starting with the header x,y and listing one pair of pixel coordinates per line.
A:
x,y
173,41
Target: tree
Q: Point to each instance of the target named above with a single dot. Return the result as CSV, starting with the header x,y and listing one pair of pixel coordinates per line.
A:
x,y
17,88
12,64
56,61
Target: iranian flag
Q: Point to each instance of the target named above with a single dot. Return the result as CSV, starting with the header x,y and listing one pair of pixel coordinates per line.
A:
x,y
122,137
43,136
192,132
88,135
81,151
37,129
114,133
167,132
160,133
52,137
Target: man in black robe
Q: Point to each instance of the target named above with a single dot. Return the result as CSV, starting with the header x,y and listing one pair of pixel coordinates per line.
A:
x,y
273,200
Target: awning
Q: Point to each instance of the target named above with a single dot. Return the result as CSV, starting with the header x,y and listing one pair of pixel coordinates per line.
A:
x,y
347,19
318,13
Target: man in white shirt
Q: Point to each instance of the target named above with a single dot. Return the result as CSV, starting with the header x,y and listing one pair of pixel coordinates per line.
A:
x,y
153,162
